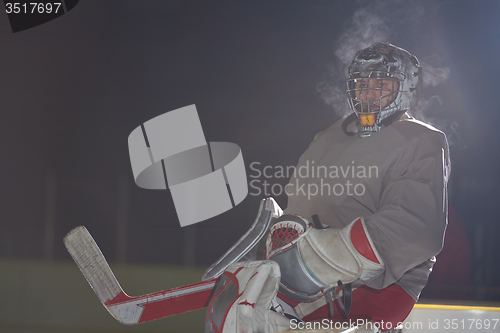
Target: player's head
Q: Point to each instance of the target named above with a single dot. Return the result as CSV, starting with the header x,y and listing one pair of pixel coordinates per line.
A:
x,y
383,82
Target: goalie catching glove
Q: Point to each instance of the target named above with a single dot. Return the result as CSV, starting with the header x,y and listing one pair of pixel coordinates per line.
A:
x,y
313,261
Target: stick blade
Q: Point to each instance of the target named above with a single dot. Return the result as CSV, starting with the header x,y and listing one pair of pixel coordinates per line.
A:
x,y
131,310
89,258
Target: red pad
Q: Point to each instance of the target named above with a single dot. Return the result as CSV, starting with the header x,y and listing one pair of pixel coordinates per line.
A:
x,y
361,243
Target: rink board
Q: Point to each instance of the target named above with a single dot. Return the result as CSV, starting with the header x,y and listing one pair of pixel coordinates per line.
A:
x,y
452,318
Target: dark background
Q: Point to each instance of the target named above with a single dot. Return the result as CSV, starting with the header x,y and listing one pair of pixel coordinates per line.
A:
x,y
260,74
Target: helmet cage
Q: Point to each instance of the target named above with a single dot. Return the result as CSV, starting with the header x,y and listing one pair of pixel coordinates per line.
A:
x,y
382,61
362,101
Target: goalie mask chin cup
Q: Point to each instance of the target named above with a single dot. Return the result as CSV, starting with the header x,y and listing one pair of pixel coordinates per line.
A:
x,y
393,76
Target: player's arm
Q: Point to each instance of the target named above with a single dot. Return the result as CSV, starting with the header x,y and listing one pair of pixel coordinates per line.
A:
x,y
408,229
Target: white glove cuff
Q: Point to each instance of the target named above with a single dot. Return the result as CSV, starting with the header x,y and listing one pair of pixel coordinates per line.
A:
x,y
328,257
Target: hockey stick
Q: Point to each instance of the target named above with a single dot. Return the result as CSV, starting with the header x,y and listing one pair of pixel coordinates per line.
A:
x,y
126,309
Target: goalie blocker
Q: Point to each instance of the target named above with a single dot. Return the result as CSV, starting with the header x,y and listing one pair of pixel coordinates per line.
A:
x,y
313,263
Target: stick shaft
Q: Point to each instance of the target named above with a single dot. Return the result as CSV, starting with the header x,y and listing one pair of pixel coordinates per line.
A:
x,y
136,310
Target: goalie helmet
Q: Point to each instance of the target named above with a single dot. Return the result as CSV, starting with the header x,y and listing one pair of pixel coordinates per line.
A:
x,y
383,82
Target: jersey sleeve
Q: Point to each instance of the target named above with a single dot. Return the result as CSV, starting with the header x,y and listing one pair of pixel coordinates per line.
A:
x,y
408,228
